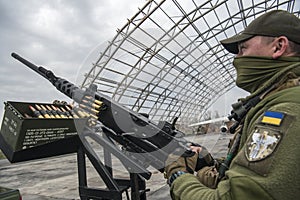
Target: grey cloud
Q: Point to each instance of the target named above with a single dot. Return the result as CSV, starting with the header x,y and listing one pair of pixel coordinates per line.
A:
x,y
56,34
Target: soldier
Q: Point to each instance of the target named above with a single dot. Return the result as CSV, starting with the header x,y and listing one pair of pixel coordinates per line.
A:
x,y
267,156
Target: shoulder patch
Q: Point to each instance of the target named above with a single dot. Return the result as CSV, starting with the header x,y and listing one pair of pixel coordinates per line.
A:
x,y
262,144
272,118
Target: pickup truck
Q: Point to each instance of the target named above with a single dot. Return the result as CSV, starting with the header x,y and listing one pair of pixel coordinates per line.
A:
x,y
9,194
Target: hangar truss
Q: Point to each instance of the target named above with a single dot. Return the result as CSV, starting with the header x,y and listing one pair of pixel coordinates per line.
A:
x,y
167,60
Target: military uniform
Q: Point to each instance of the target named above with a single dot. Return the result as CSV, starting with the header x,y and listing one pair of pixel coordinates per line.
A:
x,y
267,158
268,161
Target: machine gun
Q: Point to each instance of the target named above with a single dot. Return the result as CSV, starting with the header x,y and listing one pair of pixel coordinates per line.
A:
x,y
132,130
144,142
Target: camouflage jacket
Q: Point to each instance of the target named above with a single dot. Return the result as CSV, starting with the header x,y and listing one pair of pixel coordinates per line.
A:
x,y
267,164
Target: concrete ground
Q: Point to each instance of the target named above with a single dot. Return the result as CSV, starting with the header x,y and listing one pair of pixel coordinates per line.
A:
x,y
56,178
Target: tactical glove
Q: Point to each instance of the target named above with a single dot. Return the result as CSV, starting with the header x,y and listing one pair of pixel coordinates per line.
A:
x,y
185,163
208,176
204,159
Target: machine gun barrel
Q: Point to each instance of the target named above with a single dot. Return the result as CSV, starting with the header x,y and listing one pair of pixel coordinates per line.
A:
x,y
62,85
29,64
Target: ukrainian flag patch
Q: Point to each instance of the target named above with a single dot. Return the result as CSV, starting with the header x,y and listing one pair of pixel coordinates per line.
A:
x,y
273,118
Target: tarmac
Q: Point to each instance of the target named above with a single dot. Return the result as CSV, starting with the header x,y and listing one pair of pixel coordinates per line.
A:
x,y
56,178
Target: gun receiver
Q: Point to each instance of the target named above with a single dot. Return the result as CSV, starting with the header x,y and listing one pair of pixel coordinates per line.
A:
x,y
135,132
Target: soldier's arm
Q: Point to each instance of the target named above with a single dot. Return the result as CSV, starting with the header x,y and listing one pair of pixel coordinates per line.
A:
x,y
265,167
269,159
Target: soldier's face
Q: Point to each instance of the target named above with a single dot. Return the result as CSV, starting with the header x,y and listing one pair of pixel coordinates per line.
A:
x,y
255,46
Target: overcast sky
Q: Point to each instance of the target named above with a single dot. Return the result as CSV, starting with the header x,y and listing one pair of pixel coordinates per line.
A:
x,y
58,35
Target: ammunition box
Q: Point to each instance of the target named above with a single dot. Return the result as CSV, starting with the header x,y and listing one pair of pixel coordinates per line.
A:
x,y
24,137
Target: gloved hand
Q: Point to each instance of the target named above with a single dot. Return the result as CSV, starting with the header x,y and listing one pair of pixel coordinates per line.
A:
x,y
185,163
208,176
193,160
204,158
